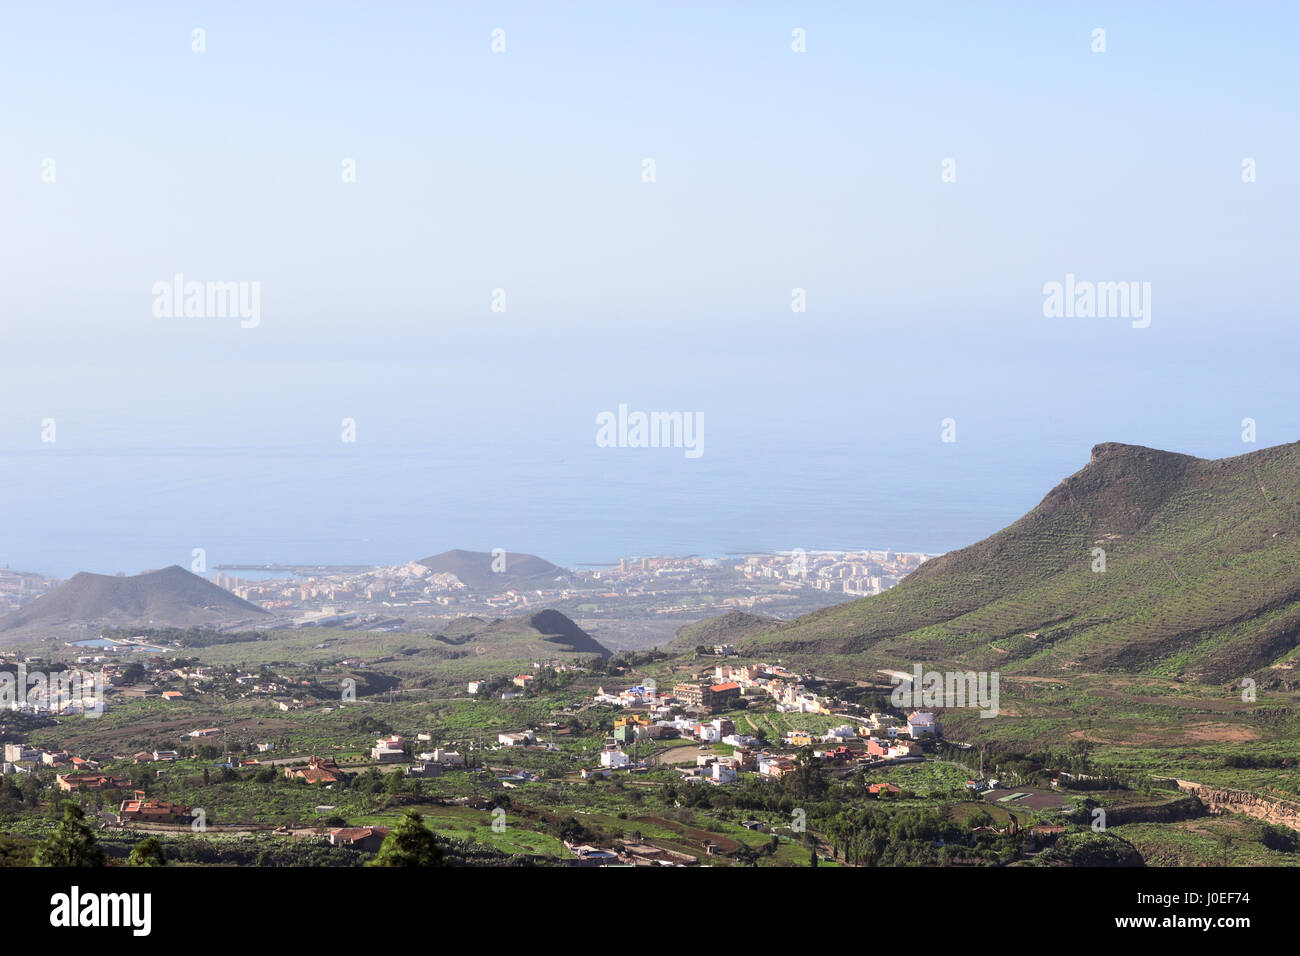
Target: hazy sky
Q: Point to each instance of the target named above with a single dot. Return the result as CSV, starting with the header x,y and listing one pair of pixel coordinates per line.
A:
x,y
522,171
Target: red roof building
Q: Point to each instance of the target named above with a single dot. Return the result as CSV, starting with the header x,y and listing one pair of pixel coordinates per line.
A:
x,y
152,811
92,781
318,770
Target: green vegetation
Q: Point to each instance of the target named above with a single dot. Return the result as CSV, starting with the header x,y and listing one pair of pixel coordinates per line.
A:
x,y
1229,840
410,843
1199,580
526,806
71,843
1113,686
148,852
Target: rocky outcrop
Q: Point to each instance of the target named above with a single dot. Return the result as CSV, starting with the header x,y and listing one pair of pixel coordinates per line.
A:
x,y
1269,809
1180,808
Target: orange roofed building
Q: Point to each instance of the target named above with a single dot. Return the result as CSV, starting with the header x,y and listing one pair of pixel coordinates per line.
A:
x,y
318,770
91,781
141,810
359,838
719,694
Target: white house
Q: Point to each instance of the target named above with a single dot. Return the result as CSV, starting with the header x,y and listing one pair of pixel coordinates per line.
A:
x,y
446,758
614,758
708,733
774,766
388,748
721,773
921,723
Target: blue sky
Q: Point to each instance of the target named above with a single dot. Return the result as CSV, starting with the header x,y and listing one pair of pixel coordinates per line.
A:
x,y
522,171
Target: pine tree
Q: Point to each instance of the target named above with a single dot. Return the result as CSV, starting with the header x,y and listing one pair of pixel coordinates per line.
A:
x,y
71,843
148,852
410,843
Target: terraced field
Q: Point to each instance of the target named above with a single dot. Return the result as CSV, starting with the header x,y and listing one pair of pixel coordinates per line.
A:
x,y
1208,841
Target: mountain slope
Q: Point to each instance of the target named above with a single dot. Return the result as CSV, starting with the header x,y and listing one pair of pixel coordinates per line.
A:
x,y
1201,579
171,597
729,629
544,634
475,570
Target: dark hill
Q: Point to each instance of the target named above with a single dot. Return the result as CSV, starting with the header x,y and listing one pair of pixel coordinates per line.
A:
x,y
172,597
728,629
474,568
543,634
561,630
1201,580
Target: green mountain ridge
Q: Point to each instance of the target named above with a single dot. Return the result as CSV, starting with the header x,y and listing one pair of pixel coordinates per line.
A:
x,y
1201,579
728,629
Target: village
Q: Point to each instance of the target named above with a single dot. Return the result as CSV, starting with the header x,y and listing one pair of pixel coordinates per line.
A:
x,y
539,763
687,709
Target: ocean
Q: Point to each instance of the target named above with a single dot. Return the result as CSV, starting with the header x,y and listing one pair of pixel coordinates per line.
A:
x,y
128,509
491,442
